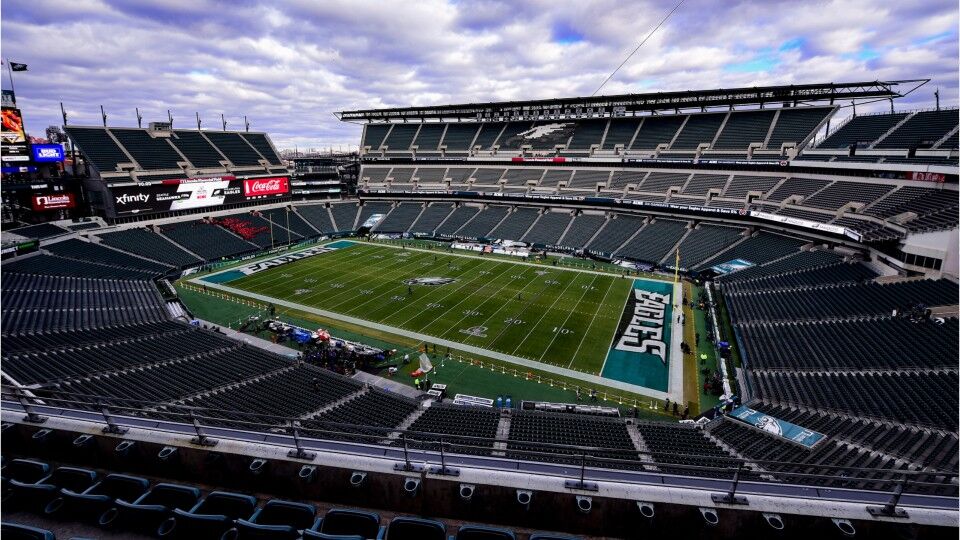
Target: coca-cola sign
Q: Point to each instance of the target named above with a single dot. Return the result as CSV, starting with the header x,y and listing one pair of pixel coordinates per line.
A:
x,y
53,201
274,185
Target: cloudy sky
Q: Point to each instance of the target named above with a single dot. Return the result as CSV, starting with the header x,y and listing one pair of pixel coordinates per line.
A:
x,y
288,65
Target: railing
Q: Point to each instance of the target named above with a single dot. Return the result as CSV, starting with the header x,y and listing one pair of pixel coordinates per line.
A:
x,y
440,454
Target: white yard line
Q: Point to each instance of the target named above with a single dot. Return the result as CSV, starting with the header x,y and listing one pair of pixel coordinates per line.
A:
x,y
490,280
589,326
504,304
544,314
502,287
614,336
461,286
569,314
388,284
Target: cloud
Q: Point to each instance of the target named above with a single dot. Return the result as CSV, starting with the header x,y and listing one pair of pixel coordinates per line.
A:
x,y
288,65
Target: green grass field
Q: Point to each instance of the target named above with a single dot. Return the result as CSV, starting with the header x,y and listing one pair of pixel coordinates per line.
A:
x,y
540,312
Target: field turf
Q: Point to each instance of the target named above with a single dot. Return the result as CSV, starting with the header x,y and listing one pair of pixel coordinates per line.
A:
x,y
540,312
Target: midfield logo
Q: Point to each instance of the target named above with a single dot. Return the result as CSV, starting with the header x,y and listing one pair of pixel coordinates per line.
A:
x,y
476,331
430,281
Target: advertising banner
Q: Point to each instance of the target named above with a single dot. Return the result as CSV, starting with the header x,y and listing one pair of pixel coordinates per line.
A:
x,y
835,229
258,187
47,153
731,266
181,194
54,201
777,427
12,136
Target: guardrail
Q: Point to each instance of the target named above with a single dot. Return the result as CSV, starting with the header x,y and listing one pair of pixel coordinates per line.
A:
x,y
441,454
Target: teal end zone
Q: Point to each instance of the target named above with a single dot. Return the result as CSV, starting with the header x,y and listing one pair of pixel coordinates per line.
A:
x,y
643,369
340,244
223,277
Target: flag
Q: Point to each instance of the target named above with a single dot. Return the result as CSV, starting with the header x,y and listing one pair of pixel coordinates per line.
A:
x,y
14,66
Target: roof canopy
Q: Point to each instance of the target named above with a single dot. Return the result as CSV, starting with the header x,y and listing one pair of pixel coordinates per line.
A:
x,y
633,104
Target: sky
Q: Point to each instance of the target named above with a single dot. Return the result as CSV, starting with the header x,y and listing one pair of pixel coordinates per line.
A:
x,y
288,65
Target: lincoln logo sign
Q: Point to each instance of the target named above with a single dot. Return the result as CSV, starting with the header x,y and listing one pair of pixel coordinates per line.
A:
x,y
53,202
256,187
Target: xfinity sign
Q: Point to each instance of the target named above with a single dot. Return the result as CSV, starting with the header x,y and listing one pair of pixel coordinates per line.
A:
x,y
47,153
127,198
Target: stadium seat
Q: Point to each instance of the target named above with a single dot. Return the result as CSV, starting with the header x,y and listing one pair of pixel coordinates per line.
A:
x,y
27,471
16,531
209,518
34,496
149,510
343,524
276,520
411,528
481,532
93,501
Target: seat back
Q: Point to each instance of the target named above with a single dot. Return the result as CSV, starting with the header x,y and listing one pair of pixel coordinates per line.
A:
x,y
120,486
72,478
410,528
293,514
480,532
27,471
16,531
232,505
341,521
171,496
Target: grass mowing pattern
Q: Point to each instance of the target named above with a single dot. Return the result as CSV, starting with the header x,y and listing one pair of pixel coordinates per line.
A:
x,y
559,317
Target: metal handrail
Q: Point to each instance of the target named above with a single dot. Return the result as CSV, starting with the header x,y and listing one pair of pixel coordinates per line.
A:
x,y
515,451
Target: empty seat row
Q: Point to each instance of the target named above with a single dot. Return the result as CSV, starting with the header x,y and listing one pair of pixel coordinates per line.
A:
x,y
125,504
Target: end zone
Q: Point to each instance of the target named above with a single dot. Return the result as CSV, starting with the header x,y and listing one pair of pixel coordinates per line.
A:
x,y
647,340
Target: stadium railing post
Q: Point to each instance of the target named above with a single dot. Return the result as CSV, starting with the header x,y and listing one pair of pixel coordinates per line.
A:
x,y
32,415
200,439
731,496
443,470
581,483
112,426
298,452
890,509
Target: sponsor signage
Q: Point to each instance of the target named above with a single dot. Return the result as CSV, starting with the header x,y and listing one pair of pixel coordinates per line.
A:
x,y
928,177
13,139
47,153
54,201
834,229
257,187
181,194
372,221
18,169
731,266
777,427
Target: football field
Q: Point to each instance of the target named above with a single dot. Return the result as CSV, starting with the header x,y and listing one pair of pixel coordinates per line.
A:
x,y
571,319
